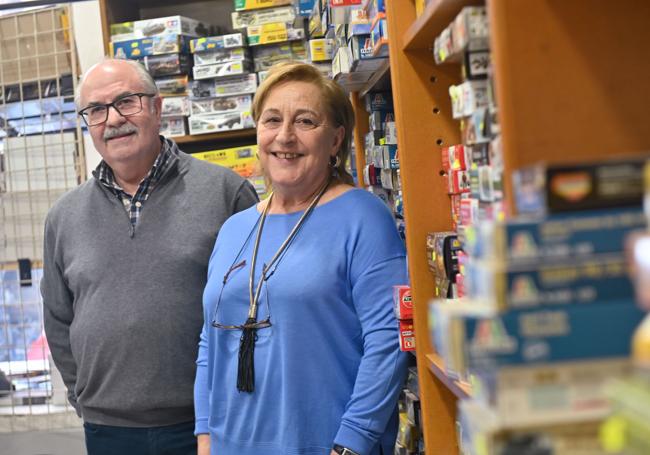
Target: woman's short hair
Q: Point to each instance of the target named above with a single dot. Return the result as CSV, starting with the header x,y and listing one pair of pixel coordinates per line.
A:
x,y
335,100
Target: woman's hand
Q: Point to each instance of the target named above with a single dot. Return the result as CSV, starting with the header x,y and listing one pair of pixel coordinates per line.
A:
x,y
203,443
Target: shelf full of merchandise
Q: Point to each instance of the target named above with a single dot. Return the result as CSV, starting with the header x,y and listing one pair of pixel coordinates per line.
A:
x,y
570,86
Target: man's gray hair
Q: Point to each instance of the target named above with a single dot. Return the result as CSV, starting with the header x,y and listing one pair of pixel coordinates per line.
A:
x,y
148,83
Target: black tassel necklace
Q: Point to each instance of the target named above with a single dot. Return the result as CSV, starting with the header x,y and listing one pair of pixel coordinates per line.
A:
x,y
246,367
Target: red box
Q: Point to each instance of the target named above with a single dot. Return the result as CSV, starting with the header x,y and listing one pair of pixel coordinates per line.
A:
x,y
458,182
402,302
406,335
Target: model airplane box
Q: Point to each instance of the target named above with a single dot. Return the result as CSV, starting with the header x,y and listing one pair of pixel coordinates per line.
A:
x,y
220,56
213,123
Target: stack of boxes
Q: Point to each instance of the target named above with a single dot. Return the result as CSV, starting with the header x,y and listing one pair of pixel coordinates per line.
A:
x,y
275,30
409,435
403,309
542,312
163,46
223,86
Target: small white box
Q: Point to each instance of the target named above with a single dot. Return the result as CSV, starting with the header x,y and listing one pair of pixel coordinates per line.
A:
x,y
169,25
212,123
221,70
173,126
175,105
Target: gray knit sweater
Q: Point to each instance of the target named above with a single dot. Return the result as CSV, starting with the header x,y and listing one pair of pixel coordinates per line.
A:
x,y
123,309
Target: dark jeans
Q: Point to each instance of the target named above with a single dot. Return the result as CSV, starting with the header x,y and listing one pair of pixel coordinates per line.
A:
x,y
168,440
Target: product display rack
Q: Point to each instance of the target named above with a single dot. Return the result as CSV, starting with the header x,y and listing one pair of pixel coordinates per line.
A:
x,y
114,11
571,86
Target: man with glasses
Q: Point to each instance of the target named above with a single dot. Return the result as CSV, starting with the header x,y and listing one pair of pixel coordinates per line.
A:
x,y
125,264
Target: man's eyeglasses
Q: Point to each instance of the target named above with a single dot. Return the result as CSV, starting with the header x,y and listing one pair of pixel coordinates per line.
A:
x,y
266,322
124,105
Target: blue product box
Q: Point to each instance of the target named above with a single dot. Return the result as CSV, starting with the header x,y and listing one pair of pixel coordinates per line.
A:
x,y
557,237
156,45
543,335
234,40
305,7
379,101
587,281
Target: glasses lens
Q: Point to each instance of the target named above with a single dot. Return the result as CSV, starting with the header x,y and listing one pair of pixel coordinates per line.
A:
x,y
94,115
129,105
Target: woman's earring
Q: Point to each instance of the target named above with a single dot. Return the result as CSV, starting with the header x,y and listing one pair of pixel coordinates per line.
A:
x,y
335,161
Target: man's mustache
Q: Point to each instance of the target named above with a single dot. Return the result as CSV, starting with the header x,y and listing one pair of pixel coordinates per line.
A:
x,y
127,128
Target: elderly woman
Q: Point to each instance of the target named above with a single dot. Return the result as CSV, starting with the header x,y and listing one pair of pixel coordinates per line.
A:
x,y
299,351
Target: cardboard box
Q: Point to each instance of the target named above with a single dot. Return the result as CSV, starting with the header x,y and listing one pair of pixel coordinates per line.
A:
x,y
213,123
406,335
236,85
557,237
265,57
273,33
175,105
142,47
321,49
234,40
168,64
221,105
379,101
220,56
244,19
171,25
241,5
468,97
173,126
234,68
173,86
242,160
402,302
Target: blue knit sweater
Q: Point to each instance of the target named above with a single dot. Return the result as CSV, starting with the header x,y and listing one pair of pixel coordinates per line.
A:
x,y
329,368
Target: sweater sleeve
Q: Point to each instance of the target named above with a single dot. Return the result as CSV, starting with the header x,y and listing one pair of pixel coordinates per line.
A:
x,y
383,367
245,197
201,388
58,313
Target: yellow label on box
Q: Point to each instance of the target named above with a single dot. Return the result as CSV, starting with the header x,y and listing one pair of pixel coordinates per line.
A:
x,y
320,49
267,33
242,160
252,4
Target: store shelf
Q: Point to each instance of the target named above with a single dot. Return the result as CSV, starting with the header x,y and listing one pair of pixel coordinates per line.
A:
x,y
380,81
437,367
248,133
437,15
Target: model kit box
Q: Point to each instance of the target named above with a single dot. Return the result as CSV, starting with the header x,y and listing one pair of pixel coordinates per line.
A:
x,y
406,335
543,335
172,86
221,105
222,69
455,158
273,33
402,302
379,36
241,5
122,28
379,101
558,392
168,64
157,45
178,25
283,15
175,105
242,160
212,123
582,281
173,126
321,49
556,237
234,40
236,85
362,54
220,56
468,97
265,57
583,186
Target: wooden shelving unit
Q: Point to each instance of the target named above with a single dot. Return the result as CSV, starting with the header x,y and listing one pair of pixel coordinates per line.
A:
x,y
571,84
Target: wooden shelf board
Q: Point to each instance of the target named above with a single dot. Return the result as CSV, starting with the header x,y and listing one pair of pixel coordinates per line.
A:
x,y
436,365
224,135
436,16
379,81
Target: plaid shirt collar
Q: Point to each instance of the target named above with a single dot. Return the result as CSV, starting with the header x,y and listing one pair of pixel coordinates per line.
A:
x,y
133,203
